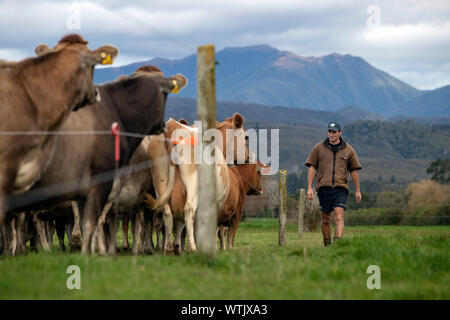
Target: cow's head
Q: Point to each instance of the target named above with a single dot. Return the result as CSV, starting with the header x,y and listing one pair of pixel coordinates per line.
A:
x,y
251,175
235,141
76,59
167,85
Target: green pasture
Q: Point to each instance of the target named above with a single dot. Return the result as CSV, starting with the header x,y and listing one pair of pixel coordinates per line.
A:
x,y
414,264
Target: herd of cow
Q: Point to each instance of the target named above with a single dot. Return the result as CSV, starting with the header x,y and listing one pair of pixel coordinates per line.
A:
x,y
58,170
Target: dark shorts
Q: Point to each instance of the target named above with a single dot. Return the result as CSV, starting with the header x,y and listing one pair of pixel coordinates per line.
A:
x,y
329,198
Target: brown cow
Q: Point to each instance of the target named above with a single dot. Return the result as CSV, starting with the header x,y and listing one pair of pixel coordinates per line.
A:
x,y
134,185
178,193
37,94
84,168
245,179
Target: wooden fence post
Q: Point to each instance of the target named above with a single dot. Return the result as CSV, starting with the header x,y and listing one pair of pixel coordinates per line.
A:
x,y
206,217
301,212
282,211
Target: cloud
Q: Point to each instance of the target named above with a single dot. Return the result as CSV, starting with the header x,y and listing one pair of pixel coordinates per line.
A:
x,y
411,41
12,54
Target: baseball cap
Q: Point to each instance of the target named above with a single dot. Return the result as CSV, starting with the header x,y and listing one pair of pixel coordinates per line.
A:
x,y
334,126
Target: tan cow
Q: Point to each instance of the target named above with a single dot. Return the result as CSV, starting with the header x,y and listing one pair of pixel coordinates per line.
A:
x,y
38,94
183,194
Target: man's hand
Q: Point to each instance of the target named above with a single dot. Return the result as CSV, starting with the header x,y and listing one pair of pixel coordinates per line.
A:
x,y
358,196
311,174
310,194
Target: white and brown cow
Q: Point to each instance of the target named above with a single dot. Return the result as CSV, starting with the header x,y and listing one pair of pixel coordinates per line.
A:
x,y
179,194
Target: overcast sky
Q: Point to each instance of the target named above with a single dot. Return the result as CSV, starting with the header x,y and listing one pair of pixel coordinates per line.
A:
x,y
408,39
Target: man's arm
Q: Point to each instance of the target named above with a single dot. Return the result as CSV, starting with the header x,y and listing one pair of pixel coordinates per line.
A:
x,y
355,179
311,174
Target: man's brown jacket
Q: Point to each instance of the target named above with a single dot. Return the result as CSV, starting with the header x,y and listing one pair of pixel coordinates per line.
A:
x,y
332,169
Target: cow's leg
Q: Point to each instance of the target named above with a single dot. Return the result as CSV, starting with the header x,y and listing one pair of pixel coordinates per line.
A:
x,y
95,202
2,243
49,230
39,224
163,236
60,225
75,235
125,225
148,247
6,182
222,230
14,236
183,240
7,236
168,225
33,234
133,227
141,231
21,232
7,239
157,224
69,228
94,241
159,240
113,228
29,232
106,231
177,244
100,230
136,230
2,246
151,227
189,212
232,230
4,199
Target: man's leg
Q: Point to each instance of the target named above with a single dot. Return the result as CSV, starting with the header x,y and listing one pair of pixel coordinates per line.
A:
x,y
326,228
339,222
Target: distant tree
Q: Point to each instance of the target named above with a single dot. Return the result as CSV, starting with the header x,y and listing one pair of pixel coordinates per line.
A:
x,y
440,170
391,198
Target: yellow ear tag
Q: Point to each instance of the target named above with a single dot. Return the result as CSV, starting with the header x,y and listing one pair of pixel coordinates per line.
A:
x,y
175,88
106,58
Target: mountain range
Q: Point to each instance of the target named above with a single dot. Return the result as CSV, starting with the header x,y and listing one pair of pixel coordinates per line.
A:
x,y
264,75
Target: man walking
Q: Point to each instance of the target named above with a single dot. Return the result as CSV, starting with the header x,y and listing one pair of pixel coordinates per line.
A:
x,y
330,161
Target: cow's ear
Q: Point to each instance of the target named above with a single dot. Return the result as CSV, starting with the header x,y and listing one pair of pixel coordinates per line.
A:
x,y
42,49
183,121
238,121
103,55
178,82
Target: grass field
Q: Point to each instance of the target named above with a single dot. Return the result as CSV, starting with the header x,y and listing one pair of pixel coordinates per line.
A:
x,y
414,264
